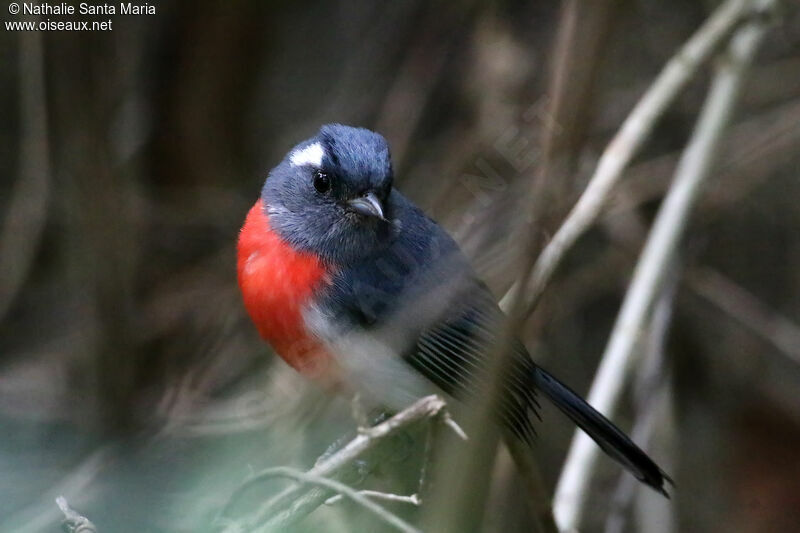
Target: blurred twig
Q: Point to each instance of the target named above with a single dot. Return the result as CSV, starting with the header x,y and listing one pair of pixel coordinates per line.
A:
x,y
27,208
748,310
74,522
632,135
693,168
580,47
751,152
41,514
652,395
417,76
456,510
539,498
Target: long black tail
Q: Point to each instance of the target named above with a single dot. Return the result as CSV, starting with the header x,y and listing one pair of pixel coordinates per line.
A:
x,y
608,436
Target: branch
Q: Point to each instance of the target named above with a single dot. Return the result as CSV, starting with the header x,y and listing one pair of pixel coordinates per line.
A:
x,y
540,498
343,490
693,168
412,499
294,503
632,135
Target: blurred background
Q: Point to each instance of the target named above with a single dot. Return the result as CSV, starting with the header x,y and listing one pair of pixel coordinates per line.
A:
x,y
131,380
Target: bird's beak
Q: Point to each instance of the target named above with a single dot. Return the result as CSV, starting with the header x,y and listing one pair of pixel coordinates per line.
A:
x,y
367,205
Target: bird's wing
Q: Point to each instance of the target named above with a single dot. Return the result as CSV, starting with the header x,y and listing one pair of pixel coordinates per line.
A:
x,y
454,353
418,306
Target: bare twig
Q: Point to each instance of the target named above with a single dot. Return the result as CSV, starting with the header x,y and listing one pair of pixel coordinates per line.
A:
x,y
662,242
294,503
470,467
416,78
344,490
448,421
74,522
632,135
377,495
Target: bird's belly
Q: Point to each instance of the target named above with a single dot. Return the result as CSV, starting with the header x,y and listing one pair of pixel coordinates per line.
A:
x,y
369,362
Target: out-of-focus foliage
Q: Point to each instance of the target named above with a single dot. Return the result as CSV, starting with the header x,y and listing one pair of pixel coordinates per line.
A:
x,y
130,378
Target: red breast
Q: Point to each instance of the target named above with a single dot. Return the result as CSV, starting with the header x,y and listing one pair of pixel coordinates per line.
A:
x,y
277,282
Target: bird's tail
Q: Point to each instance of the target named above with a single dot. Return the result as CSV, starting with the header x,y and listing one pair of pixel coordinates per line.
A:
x,y
608,436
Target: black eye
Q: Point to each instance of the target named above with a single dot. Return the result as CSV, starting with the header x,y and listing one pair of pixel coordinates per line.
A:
x,y
322,181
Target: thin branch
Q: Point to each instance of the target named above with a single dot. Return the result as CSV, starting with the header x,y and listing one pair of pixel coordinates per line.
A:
x,y
377,495
632,135
74,522
693,169
344,490
448,421
294,503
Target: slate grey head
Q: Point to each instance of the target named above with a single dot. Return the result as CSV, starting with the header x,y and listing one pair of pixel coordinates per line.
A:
x,y
329,195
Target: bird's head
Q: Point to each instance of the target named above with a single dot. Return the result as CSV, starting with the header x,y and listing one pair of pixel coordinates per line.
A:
x,y
329,195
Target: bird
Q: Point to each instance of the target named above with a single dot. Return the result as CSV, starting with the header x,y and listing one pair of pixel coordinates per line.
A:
x,y
359,290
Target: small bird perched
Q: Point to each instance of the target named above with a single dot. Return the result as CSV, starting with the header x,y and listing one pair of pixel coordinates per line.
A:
x,y
355,287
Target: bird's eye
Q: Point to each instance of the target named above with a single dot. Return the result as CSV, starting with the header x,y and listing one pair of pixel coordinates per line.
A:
x,y
322,181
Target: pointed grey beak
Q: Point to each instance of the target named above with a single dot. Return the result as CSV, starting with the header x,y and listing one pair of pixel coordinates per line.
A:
x,y
368,205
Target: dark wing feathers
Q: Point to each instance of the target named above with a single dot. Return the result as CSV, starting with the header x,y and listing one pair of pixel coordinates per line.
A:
x,y
460,345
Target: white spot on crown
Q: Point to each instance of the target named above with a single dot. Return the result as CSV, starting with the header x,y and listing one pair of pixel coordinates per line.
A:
x,y
310,155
